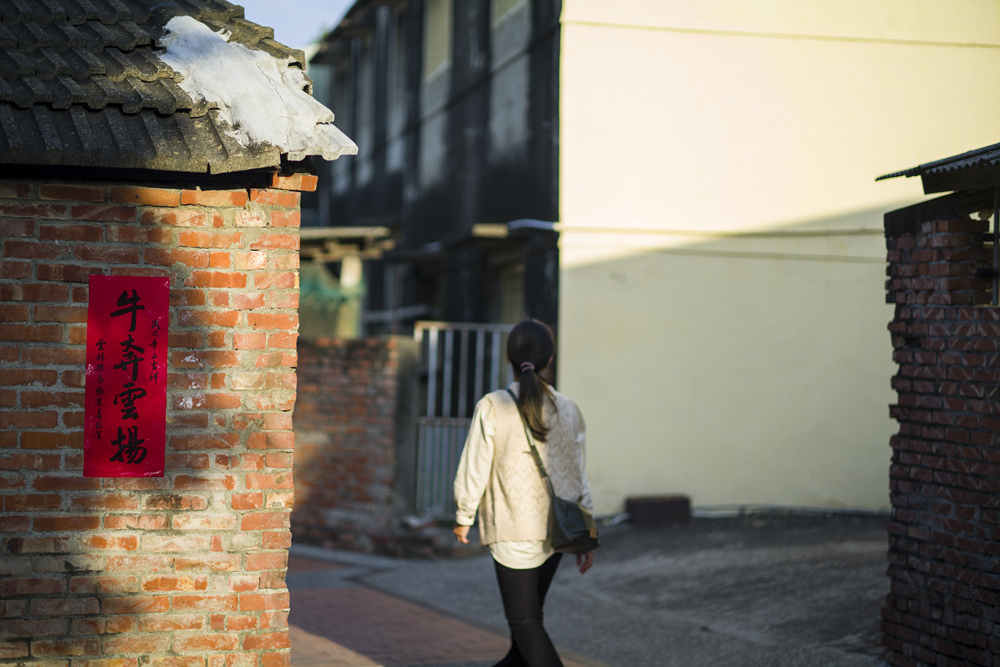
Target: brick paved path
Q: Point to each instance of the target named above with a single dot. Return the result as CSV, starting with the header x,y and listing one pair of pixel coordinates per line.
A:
x,y
354,626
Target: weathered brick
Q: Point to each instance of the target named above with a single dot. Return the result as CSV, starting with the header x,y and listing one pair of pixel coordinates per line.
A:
x,y
28,376
15,313
15,190
203,239
105,502
136,644
32,502
51,440
11,650
47,313
36,627
273,320
105,585
250,341
220,260
264,521
248,501
221,279
171,256
273,640
79,233
66,523
34,292
32,210
206,642
91,193
287,340
275,241
112,541
32,586
277,560
282,198
271,440
64,606
207,318
139,567
171,623
145,196
34,249
275,280
70,273
176,217
214,198
103,213
14,270
108,254
65,647
139,234
205,602
300,182
268,481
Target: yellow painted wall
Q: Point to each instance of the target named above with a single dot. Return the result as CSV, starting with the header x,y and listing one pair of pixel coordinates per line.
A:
x,y
723,317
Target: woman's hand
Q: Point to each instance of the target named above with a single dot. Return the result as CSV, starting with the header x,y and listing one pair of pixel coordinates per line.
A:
x,y
462,533
585,561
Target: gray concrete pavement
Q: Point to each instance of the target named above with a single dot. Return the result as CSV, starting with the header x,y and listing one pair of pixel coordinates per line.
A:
x,y
763,590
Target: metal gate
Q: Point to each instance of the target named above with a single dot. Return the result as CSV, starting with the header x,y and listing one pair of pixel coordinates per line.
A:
x,y
459,363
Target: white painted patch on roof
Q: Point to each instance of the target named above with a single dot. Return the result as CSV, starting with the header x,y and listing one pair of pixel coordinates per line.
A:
x,y
261,98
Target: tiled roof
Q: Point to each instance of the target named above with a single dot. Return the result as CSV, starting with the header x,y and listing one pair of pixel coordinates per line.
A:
x,y
81,85
980,158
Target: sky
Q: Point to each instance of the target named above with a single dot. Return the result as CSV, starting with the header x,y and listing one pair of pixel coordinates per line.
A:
x,y
296,23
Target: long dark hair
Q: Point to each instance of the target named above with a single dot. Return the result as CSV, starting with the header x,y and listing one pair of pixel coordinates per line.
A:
x,y
530,346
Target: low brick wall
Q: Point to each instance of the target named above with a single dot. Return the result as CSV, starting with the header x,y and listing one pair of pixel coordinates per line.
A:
x,y
352,422
185,569
944,534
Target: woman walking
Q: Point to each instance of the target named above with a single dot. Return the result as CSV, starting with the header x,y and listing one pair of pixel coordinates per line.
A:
x,y
498,477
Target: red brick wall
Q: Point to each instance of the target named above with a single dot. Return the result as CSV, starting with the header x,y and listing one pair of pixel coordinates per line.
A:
x,y
187,569
944,534
347,424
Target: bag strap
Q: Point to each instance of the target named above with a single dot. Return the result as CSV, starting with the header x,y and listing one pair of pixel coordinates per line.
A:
x,y
534,450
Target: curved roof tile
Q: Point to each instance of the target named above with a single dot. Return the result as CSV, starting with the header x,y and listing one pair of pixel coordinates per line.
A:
x,y
81,85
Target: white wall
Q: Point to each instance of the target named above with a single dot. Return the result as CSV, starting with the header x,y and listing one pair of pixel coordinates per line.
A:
x,y
722,322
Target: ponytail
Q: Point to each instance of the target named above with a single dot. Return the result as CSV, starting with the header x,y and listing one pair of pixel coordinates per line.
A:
x,y
530,347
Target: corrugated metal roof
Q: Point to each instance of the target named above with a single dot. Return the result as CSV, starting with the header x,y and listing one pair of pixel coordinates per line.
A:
x,y
988,156
80,85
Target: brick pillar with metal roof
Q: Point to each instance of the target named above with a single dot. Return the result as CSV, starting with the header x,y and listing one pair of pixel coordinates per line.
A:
x,y
945,474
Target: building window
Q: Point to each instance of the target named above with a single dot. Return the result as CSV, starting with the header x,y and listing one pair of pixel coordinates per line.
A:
x,y
512,293
437,36
502,8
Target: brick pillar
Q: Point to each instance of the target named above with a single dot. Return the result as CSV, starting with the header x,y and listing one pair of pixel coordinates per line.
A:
x,y
944,533
187,569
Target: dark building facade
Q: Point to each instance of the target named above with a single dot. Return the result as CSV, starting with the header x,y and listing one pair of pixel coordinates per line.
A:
x,y
454,106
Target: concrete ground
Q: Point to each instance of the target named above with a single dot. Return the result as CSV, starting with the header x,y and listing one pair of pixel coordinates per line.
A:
x,y
763,590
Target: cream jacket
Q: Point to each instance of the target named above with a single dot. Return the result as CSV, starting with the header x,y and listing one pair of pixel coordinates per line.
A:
x,y
497,475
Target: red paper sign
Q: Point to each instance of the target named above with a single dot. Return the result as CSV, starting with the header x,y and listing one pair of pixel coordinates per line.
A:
x,y
126,396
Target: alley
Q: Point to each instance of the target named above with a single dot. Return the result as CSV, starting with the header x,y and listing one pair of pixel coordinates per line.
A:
x,y
768,590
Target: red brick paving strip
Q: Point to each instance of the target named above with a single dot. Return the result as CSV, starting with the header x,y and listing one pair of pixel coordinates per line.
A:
x,y
309,650
361,627
382,629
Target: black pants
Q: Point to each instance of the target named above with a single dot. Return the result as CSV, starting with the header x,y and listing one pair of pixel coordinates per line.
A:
x,y
523,593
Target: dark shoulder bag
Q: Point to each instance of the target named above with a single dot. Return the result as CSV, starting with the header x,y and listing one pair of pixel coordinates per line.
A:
x,y
571,525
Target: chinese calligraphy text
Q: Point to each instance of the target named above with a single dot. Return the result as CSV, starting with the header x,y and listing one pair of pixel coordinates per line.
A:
x,y
126,325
